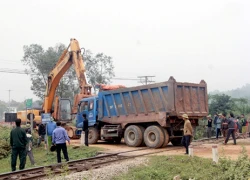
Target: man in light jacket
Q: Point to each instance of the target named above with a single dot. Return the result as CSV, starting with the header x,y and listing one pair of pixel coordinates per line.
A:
x,y
29,146
218,126
187,131
59,138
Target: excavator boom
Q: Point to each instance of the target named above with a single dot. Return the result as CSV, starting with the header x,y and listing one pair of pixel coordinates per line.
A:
x,y
70,56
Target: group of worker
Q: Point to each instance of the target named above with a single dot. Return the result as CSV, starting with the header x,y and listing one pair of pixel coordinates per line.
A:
x,y
228,125
53,134
21,144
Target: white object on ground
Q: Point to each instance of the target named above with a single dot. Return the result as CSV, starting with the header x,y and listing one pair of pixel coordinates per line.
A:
x,y
82,138
190,151
215,153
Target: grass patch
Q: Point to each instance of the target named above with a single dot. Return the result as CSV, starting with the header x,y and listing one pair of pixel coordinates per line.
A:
x,y
42,157
167,167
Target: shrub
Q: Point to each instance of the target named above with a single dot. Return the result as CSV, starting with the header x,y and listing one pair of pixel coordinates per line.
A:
x,y
167,167
4,141
238,169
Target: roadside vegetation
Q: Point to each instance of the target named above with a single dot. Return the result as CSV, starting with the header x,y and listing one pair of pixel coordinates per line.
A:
x,y
167,167
4,142
42,156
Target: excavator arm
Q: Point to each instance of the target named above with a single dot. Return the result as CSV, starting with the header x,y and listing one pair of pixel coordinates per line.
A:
x,y
70,56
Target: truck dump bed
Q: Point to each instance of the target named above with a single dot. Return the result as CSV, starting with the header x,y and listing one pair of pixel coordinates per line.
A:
x,y
154,101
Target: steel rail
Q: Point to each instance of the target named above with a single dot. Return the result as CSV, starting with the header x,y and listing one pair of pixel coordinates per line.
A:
x,y
83,164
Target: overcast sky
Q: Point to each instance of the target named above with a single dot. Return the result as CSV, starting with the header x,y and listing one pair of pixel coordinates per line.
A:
x,y
190,40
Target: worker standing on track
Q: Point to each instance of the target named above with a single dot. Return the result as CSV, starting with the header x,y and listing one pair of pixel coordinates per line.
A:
x,y
27,127
243,125
59,138
231,129
42,134
18,142
29,146
85,128
187,131
218,126
209,126
215,118
50,127
224,125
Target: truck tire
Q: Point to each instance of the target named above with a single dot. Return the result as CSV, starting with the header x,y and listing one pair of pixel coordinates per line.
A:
x,y
176,141
153,137
70,132
142,130
166,137
133,136
93,135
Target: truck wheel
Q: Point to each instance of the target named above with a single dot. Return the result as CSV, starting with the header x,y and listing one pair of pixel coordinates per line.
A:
x,y
153,137
176,141
93,135
70,132
133,136
142,130
166,137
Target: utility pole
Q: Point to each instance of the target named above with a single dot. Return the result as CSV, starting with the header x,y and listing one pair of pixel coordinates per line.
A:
x,y
9,99
146,79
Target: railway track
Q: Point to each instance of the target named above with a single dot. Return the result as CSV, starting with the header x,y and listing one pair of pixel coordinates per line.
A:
x,y
89,163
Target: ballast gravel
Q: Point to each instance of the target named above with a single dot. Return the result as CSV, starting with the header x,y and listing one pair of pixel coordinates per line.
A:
x,y
106,172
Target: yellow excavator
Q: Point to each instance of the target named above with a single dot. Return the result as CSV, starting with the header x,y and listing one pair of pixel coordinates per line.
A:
x,y
62,107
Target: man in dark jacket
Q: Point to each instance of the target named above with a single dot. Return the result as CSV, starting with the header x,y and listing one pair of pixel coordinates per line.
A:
x,y
215,118
42,133
231,129
18,142
224,125
85,128
209,126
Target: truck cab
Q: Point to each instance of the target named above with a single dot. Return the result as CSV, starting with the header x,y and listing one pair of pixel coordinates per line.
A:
x,y
88,106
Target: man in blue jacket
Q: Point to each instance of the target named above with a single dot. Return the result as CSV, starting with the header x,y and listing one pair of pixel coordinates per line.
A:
x,y
51,125
59,138
215,118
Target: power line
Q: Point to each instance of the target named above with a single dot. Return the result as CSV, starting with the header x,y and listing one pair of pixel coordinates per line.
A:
x,y
132,79
146,79
19,71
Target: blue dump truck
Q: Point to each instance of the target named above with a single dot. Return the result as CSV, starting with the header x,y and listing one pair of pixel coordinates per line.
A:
x,y
148,114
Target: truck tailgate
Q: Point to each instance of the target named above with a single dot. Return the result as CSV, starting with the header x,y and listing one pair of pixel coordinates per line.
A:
x,y
191,99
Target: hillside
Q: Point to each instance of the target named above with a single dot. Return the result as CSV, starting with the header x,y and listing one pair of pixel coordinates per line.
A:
x,y
243,92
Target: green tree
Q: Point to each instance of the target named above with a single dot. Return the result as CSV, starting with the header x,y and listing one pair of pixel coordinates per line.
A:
x,y
99,68
220,103
3,108
18,105
242,105
39,62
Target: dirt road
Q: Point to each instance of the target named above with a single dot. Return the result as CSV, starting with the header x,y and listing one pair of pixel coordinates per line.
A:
x,y
204,150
